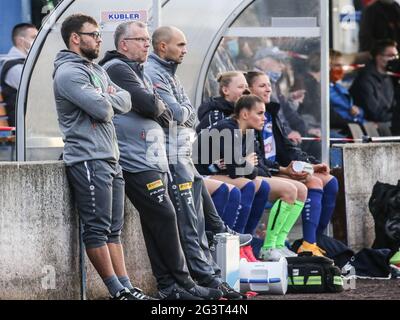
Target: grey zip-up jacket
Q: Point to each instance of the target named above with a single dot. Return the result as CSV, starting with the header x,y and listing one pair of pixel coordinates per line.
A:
x,y
162,74
141,138
168,86
85,109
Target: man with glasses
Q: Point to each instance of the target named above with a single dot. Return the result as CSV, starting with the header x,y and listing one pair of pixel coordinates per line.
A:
x,y
145,164
373,88
86,102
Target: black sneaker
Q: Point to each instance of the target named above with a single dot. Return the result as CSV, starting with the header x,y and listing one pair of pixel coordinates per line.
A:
x,y
230,293
206,293
244,239
124,294
176,292
139,295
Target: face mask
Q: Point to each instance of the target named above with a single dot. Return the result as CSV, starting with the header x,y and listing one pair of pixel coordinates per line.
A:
x,y
233,48
336,74
274,76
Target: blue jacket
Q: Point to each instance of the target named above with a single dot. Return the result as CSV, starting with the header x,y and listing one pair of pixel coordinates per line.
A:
x,y
341,103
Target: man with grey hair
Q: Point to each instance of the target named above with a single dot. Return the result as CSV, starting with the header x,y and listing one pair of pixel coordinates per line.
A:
x,y
86,102
145,165
187,187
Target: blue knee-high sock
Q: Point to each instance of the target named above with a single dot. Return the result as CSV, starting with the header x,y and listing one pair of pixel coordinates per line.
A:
x,y
220,198
231,211
247,196
311,214
328,204
257,209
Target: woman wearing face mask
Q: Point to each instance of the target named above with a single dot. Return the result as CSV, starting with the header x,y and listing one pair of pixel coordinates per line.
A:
x,y
275,147
342,108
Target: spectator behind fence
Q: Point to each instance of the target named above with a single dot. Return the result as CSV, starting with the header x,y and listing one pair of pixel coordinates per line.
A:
x,y
342,108
373,89
272,62
187,188
23,35
380,20
310,81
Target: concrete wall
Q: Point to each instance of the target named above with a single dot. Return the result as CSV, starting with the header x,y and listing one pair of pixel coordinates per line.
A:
x,y
363,165
39,244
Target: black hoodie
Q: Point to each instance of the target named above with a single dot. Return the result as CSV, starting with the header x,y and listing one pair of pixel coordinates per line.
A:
x,y
212,111
374,92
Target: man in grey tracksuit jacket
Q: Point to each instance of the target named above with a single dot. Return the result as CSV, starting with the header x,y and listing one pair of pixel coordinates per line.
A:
x,y
145,165
86,101
85,110
187,185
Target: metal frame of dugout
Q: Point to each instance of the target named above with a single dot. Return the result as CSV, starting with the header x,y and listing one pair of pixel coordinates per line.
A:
x,y
38,135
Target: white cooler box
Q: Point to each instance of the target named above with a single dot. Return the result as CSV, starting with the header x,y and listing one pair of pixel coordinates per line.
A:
x,y
227,256
264,277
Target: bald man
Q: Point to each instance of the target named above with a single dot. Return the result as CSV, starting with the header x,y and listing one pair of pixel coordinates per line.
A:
x,y
187,186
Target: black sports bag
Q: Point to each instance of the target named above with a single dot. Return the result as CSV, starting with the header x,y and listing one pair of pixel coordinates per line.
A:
x,y
308,274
